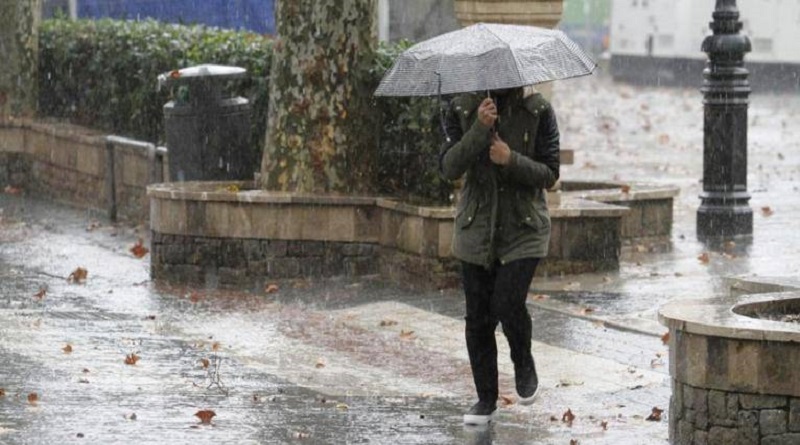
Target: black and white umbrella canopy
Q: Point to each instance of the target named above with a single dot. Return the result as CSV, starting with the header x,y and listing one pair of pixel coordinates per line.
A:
x,y
485,57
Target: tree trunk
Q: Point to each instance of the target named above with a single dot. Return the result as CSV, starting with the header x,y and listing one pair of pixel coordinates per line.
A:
x,y
321,133
19,53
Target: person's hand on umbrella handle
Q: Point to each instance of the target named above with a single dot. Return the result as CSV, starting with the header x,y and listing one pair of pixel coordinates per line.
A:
x,y
499,151
487,112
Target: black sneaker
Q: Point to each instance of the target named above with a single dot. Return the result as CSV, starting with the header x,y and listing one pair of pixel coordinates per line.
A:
x,y
527,386
481,413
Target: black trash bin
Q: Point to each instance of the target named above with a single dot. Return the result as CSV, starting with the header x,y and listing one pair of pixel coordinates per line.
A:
x,y
207,133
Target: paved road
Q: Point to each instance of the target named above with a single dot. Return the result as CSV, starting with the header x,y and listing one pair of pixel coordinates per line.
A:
x,y
314,362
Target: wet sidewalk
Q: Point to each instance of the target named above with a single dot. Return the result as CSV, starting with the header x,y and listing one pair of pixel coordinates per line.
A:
x,y
311,362
362,362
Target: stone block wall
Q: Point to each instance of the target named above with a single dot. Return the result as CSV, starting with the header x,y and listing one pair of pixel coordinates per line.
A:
x,y
582,244
70,164
735,378
253,262
714,417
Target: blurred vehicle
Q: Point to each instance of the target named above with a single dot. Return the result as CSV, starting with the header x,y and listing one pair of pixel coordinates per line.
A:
x,y
658,41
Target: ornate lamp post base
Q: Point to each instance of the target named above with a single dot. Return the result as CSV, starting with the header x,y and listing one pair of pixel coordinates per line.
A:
x,y
724,215
725,211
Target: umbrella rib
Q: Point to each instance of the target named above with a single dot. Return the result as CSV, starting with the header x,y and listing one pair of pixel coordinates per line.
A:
x,y
516,61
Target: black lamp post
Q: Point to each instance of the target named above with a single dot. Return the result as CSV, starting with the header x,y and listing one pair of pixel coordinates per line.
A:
x,y
724,210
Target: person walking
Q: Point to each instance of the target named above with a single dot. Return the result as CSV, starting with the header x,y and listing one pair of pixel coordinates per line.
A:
x,y
507,147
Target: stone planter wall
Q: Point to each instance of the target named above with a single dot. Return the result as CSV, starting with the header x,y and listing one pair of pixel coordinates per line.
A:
x,y
735,378
75,165
409,244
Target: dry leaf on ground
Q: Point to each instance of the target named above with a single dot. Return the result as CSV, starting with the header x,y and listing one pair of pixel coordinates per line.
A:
x,y
67,349
271,288
33,398
604,425
665,338
78,276
385,323
574,442
204,363
40,294
767,211
406,335
506,400
205,416
216,346
9,190
138,250
538,297
655,415
320,364
131,359
625,188
2,392
568,417
704,258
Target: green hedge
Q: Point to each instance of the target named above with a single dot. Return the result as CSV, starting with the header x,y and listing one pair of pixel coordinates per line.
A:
x,y
103,74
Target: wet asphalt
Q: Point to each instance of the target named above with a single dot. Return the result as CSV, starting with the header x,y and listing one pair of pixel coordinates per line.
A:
x,y
335,361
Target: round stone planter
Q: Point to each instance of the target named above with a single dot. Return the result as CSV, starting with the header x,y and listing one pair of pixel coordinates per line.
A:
x,y
542,13
735,378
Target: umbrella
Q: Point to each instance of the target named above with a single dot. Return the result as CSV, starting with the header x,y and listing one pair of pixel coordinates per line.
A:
x,y
485,57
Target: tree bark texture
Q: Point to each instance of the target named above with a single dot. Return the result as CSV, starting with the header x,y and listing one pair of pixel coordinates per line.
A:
x,y
19,56
321,129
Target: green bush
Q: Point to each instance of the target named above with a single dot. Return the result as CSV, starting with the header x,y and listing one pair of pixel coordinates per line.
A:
x,y
103,74
409,143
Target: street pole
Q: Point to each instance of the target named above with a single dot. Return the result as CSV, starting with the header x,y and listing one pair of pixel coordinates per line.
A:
x,y
725,211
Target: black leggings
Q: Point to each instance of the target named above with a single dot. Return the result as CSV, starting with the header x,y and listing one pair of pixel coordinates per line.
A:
x,y
497,295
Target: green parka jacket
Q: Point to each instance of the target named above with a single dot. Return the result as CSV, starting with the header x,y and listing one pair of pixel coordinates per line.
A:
x,y
502,211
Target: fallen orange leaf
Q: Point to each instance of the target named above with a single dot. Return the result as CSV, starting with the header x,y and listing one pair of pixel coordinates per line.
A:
x,y
704,258
33,398
131,359
138,250
40,294
406,334
204,362
67,349
216,346
205,416
2,392
271,288
766,211
506,400
78,275
665,338
568,417
655,415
